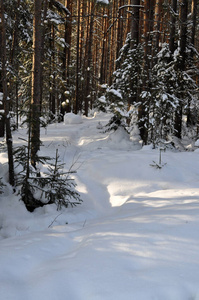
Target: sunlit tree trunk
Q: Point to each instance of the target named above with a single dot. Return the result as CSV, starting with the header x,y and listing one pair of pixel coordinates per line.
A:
x,y
194,16
5,96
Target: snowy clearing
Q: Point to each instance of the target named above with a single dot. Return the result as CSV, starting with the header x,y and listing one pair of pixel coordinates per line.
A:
x,y
135,236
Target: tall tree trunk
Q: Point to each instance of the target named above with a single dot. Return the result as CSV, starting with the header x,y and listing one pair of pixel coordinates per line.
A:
x,y
15,34
2,115
89,62
183,44
172,40
53,84
13,58
65,57
135,39
142,109
120,28
194,15
45,9
5,97
192,53
103,67
183,32
135,23
36,82
77,96
158,20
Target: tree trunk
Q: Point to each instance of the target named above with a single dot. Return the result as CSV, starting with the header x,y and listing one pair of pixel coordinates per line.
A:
x,y
194,15
103,67
36,82
45,9
77,96
2,115
135,24
183,32
192,52
89,62
5,97
158,20
172,44
135,39
183,44
147,65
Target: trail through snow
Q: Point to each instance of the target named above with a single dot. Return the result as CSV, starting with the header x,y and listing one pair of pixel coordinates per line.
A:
x,y
134,237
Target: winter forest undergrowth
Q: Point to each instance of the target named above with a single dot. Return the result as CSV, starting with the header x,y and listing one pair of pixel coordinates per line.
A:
x,y
135,235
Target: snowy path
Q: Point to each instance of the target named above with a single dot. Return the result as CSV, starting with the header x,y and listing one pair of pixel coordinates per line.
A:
x,y
135,237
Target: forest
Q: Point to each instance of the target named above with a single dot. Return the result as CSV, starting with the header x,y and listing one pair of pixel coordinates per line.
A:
x,y
99,150
135,59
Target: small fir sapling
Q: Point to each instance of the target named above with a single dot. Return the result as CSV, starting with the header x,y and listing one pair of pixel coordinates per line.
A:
x,y
38,189
58,186
159,165
27,177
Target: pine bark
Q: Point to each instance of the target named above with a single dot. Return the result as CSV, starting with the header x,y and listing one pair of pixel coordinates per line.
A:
x,y
36,82
135,23
5,97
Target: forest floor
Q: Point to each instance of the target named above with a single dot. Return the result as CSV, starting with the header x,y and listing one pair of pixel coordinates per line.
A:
x,y
134,237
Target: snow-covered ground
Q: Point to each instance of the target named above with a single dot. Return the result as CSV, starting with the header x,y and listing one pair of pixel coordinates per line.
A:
x,y
134,237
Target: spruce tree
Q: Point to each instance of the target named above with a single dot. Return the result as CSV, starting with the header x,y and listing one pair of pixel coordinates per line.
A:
x,y
122,95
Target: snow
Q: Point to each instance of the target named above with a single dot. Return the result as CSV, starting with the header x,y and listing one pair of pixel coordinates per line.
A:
x,y
103,1
135,236
70,118
116,93
102,99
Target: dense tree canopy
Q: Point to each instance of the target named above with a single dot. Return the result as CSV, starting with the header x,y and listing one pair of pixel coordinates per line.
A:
x,y
144,51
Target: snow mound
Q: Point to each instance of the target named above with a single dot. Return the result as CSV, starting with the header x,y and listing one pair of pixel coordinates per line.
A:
x,y
119,140
71,118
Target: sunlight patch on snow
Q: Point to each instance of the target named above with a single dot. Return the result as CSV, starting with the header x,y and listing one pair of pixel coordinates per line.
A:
x,y
121,191
126,248
86,141
118,200
3,158
58,235
116,191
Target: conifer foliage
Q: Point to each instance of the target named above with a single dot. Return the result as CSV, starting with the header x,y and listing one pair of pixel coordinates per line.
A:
x,y
54,185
